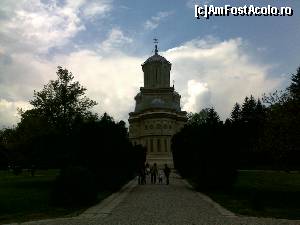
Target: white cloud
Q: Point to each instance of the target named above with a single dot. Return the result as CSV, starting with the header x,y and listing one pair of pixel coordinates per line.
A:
x,y
115,40
195,89
208,72
8,111
33,25
97,8
112,81
223,72
153,23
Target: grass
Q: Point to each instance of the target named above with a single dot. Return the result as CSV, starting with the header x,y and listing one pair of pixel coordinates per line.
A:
x,y
263,194
24,197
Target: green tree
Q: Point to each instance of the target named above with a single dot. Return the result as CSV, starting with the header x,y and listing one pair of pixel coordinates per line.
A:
x,y
198,118
63,101
281,137
294,87
43,136
260,112
205,116
248,109
235,115
199,151
212,117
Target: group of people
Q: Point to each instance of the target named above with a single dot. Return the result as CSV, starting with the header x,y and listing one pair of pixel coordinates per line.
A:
x,y
155,173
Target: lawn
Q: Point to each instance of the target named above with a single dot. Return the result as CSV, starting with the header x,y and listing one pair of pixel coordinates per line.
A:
x,y
24,197
263,194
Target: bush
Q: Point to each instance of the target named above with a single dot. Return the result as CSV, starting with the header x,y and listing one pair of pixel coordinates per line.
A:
x,y
202,153
75,186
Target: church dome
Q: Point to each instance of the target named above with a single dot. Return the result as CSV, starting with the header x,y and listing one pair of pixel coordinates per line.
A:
x,y
156,58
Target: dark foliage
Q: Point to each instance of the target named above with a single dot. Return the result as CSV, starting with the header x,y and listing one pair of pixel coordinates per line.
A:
x,y
256,136
104,148
60,132
267,136
245,125
4,160
74,186
62,101
201,152
294,88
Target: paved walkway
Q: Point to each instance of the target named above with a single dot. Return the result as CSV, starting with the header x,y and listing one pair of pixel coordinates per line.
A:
x,y
158,204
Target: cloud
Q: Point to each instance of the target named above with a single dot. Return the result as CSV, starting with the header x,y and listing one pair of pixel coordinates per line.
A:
x,y
97,8
216,73
195,90
153,23
112,81
208,72
8,112
110,76
115,40
36,25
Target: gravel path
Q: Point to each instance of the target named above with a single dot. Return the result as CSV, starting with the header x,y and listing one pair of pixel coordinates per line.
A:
x,y
159,204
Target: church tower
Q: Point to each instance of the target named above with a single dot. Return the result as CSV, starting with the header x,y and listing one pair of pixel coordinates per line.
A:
x,y
157,115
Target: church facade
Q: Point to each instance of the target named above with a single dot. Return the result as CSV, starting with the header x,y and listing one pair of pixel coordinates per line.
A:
x,y
157,115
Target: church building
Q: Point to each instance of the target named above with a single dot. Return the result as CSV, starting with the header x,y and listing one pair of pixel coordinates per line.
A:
x,y
157,115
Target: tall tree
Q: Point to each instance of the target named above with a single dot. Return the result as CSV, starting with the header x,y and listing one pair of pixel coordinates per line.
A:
x,y
294,88
235,115
205,116
248,109
63,101
212,117
198,118
260,112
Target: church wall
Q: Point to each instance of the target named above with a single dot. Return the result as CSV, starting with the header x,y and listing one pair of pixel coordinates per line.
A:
x,y
157,116
155,134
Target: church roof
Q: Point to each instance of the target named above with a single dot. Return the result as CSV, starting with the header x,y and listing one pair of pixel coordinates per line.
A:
x,y
156,58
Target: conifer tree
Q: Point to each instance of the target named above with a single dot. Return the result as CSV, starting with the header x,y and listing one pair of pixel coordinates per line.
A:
x,y
248,109
294,88
235,115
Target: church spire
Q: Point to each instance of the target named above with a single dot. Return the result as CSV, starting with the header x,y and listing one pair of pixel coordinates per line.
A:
x,y
155,42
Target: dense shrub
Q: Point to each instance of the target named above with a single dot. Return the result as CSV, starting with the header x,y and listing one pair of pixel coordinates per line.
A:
x,y
201,153
75,186
3,158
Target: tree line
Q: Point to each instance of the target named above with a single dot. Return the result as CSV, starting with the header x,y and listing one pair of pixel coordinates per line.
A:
x,y
260,134
93,153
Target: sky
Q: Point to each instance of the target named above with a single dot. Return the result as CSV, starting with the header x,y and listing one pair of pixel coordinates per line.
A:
x,y
215,62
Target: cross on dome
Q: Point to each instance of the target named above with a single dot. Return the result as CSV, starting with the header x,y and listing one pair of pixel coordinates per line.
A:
x,y
155,41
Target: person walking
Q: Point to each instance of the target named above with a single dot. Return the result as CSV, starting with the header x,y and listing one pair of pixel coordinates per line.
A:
x,y
147,169
167,172
160,176
154,173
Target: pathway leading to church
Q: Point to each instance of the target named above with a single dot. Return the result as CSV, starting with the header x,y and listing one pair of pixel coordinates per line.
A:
x,y
159,204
